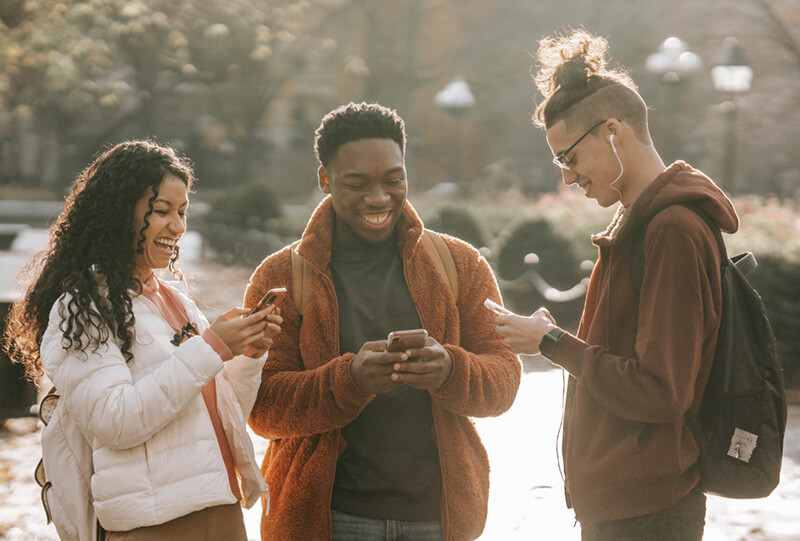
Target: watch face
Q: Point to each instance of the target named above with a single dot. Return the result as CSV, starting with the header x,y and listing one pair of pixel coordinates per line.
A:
x,y
549,341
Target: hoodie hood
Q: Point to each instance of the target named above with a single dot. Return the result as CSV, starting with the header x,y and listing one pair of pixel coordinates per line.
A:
x,y
679,183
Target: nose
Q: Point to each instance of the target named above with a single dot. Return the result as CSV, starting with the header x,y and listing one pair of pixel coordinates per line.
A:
x,y
377,197
568,176
177,224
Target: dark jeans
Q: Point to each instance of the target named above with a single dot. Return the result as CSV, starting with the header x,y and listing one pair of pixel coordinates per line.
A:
x,y
684,521
352,528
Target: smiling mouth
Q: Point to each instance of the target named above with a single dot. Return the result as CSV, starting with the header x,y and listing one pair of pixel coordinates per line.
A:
x,y
166,245
376,219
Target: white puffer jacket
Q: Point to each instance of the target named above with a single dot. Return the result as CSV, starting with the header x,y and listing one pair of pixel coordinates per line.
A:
x,y
154,450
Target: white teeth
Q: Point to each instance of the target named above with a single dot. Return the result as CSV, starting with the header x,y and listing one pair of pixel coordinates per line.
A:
x,y
168,244
375,219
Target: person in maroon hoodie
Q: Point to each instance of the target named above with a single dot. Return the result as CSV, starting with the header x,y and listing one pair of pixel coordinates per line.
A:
x,y
636,366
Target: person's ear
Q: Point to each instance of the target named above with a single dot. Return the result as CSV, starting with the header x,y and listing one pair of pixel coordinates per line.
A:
x,y
324,181
614,127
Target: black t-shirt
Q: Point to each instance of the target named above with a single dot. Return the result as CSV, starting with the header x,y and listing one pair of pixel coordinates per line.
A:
x,y
390,466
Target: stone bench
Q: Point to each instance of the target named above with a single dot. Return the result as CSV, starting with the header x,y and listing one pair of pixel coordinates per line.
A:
x,y
17,395
9,232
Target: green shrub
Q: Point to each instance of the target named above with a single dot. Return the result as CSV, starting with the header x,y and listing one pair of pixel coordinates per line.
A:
x,y
458,222
241,225
557,265
252,206
776,280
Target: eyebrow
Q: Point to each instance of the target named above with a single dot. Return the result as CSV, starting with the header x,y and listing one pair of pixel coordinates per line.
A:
x,y
169,203
353,174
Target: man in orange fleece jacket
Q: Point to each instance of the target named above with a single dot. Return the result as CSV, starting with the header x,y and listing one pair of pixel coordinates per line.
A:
x,y
368,444
637,364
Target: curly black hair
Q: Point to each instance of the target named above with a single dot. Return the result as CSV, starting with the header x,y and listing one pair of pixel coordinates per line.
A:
x,y
573,69
356,121
93,237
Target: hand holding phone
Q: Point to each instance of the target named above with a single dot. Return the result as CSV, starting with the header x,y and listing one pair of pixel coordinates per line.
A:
x,y
496,308
269,298
399,341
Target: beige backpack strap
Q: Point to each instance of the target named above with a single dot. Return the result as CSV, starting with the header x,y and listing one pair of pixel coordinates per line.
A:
x,y
302,276
437,248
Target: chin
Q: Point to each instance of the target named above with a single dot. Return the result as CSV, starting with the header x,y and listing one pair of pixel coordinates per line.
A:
x,y
376,237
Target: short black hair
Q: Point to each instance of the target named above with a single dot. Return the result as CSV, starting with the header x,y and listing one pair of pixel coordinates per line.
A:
x,y
356,121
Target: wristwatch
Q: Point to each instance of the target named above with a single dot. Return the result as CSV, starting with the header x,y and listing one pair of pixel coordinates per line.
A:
x,y
549,341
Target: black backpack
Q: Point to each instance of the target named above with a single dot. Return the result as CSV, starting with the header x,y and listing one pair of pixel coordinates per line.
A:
x,y
742,418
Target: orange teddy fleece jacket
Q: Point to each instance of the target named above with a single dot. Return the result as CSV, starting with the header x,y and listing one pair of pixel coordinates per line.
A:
x,y
307,394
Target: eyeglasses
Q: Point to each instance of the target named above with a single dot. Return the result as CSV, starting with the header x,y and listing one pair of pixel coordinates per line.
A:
x,y
560,159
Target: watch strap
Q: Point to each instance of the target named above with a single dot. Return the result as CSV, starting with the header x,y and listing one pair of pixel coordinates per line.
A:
x,y
549,341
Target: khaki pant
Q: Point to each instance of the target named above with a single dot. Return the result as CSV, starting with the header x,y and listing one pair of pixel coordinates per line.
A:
x,y
223,523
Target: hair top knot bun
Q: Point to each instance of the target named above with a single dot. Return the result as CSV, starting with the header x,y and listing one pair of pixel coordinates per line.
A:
x,y
571,61
572,67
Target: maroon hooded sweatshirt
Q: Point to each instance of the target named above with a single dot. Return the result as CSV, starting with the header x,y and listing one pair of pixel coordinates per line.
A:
x,y
637,367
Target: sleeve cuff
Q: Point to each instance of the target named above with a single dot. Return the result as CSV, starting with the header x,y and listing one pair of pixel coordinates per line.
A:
x,y
568,354
222,349
254,352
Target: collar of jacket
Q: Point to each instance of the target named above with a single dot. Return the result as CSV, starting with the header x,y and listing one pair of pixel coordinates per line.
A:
x,y
625,222
678,183
317,240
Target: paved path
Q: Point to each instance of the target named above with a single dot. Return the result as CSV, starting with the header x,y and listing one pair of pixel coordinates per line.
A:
x,y
525,497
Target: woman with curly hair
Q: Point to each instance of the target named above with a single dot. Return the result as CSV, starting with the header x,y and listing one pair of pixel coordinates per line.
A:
x,y
160,396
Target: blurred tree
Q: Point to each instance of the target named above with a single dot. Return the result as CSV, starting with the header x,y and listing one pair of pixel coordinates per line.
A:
x,y
11,12
240,84
76,74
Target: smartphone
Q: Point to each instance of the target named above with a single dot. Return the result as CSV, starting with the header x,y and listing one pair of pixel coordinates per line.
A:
x,y
403,340
269,298
496,308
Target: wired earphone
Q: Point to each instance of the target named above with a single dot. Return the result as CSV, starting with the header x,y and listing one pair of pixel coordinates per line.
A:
x,y
621,168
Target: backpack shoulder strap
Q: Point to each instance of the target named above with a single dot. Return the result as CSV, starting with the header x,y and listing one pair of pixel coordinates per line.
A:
x,y
302,277
637,258
437,248
434,244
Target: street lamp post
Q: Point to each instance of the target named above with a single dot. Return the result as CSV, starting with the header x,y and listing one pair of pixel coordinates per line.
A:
x,y
674,64
731,75
456,99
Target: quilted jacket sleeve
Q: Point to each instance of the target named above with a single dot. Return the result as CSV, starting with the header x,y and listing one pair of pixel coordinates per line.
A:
x,y
243,374
97,386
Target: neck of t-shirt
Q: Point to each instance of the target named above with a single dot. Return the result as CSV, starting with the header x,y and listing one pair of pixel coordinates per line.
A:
x,y
345,252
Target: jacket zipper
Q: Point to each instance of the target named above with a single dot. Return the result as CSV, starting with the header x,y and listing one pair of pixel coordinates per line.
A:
x,y
332,477
727,302
444,511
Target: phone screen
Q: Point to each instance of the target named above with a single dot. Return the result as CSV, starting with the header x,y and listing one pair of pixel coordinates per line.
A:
x,y
268,299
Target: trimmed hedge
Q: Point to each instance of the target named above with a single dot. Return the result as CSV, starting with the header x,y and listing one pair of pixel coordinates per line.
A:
x,y
558,265
458,222
776,280
253,206
240,225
